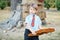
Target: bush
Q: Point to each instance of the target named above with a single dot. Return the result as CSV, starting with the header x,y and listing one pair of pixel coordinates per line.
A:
x,y
8,3
2,4
58,4
47,5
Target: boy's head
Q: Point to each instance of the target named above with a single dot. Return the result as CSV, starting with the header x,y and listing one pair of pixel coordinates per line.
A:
x,y
33,8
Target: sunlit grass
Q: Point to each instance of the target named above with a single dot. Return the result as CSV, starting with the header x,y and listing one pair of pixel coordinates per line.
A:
x,y
52,17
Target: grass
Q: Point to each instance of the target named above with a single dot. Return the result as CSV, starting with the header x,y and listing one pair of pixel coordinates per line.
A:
x,y
52,17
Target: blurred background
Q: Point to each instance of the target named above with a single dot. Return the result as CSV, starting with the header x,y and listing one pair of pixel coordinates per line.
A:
x,y
48,11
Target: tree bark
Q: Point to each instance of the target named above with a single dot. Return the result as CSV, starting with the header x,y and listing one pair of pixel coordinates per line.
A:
x,y
16,16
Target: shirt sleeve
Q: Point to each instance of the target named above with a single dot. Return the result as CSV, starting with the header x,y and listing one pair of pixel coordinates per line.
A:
x,y
39,22
26,20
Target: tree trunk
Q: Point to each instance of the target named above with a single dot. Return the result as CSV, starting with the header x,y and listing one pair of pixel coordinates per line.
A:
x,y
16,16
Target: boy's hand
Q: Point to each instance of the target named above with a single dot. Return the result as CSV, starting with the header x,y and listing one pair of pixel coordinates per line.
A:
x,y
33,32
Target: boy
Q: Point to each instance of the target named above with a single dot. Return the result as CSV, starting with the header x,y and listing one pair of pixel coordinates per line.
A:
x,y
33,23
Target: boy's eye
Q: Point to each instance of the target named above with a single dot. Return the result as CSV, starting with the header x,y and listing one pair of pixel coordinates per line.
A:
x,y
31,9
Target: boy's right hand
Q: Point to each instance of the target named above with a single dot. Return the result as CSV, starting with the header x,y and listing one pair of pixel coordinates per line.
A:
x,y
33,32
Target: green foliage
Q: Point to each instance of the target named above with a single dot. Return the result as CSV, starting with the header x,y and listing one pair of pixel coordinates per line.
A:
x,y
2,4
8,3
47,5
58,4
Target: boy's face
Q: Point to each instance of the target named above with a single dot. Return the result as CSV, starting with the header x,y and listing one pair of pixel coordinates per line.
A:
x,y
32,10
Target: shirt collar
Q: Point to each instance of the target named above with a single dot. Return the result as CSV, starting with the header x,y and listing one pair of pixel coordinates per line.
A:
x,y
32,14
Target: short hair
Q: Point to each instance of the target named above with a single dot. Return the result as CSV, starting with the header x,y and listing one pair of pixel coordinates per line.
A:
x,y
35,6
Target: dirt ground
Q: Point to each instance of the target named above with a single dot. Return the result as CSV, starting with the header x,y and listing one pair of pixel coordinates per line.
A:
x,y
53,20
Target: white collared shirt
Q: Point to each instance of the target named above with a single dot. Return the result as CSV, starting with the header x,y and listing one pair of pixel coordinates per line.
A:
x,y
37,22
